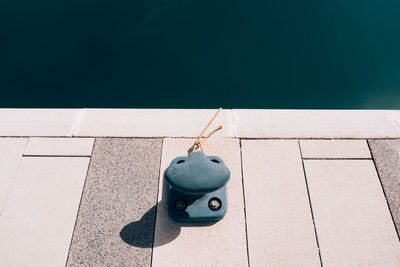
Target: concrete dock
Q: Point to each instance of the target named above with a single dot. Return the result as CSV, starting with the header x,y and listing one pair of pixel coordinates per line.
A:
x,y
85,187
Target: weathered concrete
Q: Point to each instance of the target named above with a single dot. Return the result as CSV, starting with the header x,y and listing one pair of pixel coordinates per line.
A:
x,y
387,159
38,219
11,150
190,244
59,146
351,215
279,223
339,149
115,224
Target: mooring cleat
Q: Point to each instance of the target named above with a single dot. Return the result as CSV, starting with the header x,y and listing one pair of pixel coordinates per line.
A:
x,y
197,188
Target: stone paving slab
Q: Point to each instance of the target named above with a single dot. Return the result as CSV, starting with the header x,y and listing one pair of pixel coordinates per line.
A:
x,y
115,224
188,244
37,122
11,150
116,221
352,218
387,159
38,146
38,219
279,222
152,122
263,123
245,123
339,149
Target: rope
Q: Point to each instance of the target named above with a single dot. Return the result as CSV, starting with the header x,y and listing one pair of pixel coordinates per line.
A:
x,y
199,141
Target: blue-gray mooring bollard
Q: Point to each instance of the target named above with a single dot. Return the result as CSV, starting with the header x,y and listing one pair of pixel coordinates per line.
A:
x,y
197,188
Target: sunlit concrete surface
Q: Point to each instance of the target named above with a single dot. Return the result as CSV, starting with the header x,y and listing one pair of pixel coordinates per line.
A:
x,y
59,147
38,218
219,244
242,123
279,221
307,188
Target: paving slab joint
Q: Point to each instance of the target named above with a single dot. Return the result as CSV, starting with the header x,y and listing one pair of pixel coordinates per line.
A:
x,y
157,200
13,177
244,203
395,119
75,126
234,123
383,190
80,202
309,201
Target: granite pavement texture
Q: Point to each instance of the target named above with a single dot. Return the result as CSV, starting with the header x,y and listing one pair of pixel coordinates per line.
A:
x,y
386,154
115,223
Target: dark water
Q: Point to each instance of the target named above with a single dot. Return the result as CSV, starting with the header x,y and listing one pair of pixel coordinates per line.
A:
x,y
200,54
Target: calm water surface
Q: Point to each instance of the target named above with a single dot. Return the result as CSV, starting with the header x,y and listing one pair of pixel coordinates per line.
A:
x,y
200,54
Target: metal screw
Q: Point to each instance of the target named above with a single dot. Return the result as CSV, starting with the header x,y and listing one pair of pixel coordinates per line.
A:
x,y
180,205
214,204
